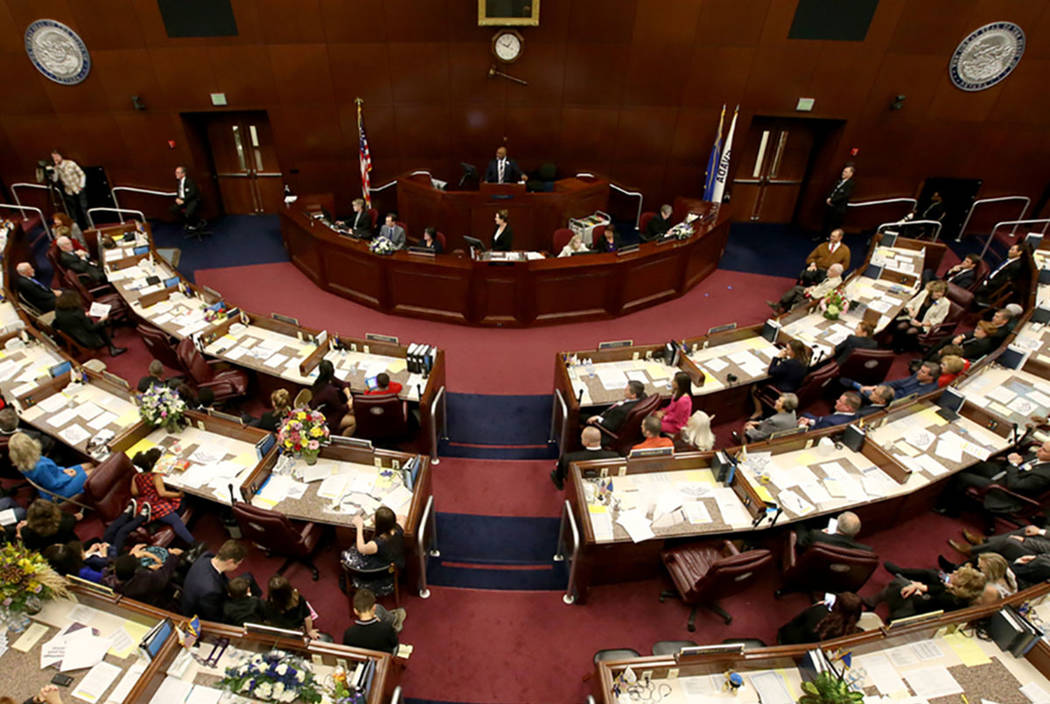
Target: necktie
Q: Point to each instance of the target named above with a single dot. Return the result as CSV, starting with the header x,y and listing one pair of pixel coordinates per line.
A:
x,y
501,162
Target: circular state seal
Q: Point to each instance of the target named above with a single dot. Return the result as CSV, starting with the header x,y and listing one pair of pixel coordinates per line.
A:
x,y
986,56
57,52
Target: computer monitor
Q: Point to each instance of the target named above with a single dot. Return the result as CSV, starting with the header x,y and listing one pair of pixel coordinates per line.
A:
x,y
475,243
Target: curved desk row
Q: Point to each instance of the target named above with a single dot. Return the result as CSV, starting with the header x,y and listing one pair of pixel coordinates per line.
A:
x,y
454,288
904,455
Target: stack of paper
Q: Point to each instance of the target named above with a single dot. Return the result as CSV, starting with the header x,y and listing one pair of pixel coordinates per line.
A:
x,y
636,525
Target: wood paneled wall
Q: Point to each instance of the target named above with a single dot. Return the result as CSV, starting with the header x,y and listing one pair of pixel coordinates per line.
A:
x,y
627,88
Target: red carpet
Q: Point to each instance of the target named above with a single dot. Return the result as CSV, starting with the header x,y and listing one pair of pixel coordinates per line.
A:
x,y
496,488
498,361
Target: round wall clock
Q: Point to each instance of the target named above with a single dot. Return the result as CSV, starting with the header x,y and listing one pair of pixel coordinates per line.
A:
x,y
57,52
507,45
986,56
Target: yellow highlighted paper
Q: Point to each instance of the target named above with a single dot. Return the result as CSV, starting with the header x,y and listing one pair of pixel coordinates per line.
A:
x,y
968,649
142,445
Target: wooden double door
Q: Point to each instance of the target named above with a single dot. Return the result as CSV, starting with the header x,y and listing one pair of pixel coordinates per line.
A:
x,y
245,160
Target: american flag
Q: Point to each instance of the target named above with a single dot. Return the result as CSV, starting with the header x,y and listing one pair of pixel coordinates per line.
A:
x,y
364,157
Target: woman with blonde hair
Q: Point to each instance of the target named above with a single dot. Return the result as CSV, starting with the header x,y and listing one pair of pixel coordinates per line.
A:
x,y
46,524
919,591
697,431
952,365
62,482
575,244
997,571
925,311
281,405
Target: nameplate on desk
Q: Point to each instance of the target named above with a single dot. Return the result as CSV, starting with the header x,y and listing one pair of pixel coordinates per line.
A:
x,y
629,249
651,452
378,337
613,344
422,251
721,328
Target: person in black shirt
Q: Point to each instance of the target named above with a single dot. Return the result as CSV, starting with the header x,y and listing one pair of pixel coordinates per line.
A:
x,y
861,339
286,608
591,438
71,319
658,225
145,584
838,200
206,584
89,272
430,240
368,631
242,606
919,591
386,547
154,377
613,417
35,293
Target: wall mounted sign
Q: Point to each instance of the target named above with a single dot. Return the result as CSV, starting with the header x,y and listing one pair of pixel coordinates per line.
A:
x,y
57,52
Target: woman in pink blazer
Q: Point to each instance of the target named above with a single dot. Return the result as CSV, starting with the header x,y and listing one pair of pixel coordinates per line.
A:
x,y
674,417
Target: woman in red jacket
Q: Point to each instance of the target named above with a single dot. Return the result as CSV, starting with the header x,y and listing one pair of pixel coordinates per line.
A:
x,y
674,417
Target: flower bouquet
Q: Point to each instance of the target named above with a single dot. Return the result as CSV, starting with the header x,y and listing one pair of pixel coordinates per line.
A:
x,y
275,676
303,433
341,692
26,579
162,406
381,246
834,304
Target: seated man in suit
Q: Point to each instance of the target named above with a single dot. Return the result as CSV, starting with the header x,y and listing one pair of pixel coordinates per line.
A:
x,y
845,411
799,294
783,418
360,223
879,398
861,339
205,587
591,438
963,273
1005,273
1030,540
612,418
651,429
847,528
658,225
187,200
1028,476
502,169
921,382
89,272
392,231
35,293
823,256
984,338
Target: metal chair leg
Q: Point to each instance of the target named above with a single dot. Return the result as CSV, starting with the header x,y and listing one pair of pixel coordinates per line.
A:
x,y
721,612
691,623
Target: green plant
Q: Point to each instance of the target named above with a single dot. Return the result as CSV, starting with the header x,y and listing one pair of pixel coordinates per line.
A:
x,y
827,688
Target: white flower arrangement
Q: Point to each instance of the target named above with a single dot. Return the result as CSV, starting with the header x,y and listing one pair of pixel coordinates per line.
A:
x,y
381,246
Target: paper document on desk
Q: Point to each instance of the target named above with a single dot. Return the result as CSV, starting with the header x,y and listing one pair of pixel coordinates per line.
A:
x,y
1035,693
948,449
123,688
96,682
667,502
696,513
794,503
1002,394
881,674
99,310
924,463
771,688
612,379
73,435
1021,406
933,682
636,525
333,487
816,492
53,403
733,512
715,364
601,523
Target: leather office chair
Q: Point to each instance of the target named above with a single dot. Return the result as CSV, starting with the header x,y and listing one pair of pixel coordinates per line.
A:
x,y
102,293
303,398
867,366
380,417
442,240
596,236
630,432
561,238
943,331
225,384
812,387
275,534
160,344
375,579
1029,512
643,221
825,568
704,572
963,297
373,214
615,654
108,491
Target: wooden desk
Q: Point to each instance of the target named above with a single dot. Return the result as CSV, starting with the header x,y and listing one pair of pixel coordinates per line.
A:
x,y
1014,395
453,288
280,353
896,662
346,481
20,672
533,216
77,412
231,645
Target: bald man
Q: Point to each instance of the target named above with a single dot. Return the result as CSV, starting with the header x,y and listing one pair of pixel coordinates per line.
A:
x,y
89,273
591,438
502,169
35,293
847,527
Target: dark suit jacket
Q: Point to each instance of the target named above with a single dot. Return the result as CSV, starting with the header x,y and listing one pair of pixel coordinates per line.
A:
x,y
204,590
656,228
973,347
963,279
581,456
39,296
853,342
870,408
506,241
88,273
361,224
1010,272
808,536
840,195
613,418
786,374
77,325
833,419
511,172
192,194
1031,483
1036,571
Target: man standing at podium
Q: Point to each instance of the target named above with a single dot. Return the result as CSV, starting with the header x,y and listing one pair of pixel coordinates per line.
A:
x,y
502,169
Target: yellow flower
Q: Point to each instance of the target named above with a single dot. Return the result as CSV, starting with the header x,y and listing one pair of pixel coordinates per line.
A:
x,y
301,415
316,432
